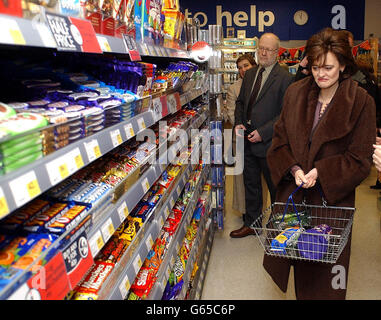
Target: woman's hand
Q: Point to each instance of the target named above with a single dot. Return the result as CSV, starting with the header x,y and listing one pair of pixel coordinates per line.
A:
x,y
311,178
308,180
300,178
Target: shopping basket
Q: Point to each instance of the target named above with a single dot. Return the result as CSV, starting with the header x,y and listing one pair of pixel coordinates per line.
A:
x,y
304,232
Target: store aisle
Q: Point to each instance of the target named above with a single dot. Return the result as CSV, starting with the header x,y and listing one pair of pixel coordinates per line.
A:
x,y
235,268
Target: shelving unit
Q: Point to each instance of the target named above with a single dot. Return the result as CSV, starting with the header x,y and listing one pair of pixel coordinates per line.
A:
x,y
29,182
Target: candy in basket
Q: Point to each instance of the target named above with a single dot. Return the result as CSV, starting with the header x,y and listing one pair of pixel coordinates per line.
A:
x,y
304,232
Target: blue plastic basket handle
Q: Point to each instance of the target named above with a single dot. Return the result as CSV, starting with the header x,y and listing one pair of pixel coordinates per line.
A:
x,y
293,203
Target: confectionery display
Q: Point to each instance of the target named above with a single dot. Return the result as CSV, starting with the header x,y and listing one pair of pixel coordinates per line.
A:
x,y
80,189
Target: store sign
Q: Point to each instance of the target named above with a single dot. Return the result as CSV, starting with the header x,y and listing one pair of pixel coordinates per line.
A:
x,y
72,34
280,17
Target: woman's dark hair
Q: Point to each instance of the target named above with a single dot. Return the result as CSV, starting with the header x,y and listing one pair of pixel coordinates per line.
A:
x,y
247,56
335,41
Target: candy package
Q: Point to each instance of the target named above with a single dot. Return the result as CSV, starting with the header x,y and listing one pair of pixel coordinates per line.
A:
x,y
313,243
279,243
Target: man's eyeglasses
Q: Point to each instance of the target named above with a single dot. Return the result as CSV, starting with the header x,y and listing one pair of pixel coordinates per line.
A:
x,y
266,49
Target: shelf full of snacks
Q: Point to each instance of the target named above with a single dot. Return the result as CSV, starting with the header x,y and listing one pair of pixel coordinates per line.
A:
x,y
105,216
201,264
24,184
157,29
180,277
129,260
86,124
165,249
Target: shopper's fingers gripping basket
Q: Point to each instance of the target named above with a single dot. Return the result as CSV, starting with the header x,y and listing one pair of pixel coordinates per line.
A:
x,y
304,232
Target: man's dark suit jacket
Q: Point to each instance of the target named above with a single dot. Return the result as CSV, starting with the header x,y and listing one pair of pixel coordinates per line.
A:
x,y
266,109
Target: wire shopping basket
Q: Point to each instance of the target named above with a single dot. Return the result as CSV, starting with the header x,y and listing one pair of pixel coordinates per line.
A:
x,y
304,232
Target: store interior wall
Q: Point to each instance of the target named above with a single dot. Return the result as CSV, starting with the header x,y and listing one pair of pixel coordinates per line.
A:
x,y
372,18
372,25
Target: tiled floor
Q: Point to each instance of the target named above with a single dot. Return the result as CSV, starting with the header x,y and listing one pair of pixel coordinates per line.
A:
x,y
235,269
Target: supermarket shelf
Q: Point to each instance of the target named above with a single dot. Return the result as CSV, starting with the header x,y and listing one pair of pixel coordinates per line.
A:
x,y
106,224
18,31
117,45
193,254
170,259
110,221
203,261
25,32
116,287
22,185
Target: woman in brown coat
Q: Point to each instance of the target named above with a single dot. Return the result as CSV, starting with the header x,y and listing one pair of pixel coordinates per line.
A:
x,y
324,139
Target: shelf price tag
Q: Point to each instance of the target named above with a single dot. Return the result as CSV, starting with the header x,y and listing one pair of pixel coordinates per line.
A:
x,y
145,185
161,222
107,229
125,286
25,188
141,124
149,242
137,263
116,138
123,211
172,201
129,130
92,150
171,103
11,32
3,204
157,109
78,160
167,212
96,243
103,42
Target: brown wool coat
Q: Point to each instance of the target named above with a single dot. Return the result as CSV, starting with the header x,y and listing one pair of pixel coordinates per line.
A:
x,y
340,150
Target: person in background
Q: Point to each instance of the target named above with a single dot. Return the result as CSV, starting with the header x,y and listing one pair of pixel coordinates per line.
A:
x,y
244,63
323,143
257,108
368,81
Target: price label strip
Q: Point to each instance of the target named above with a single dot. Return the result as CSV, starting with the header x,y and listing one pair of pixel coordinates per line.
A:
x,y
96,243
123,211
149,242
116,138
92,149
25,188
145,185
4,210
125,286
107,229
129,130
60,168
137,263
103,42
157,109
141,124
10,32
